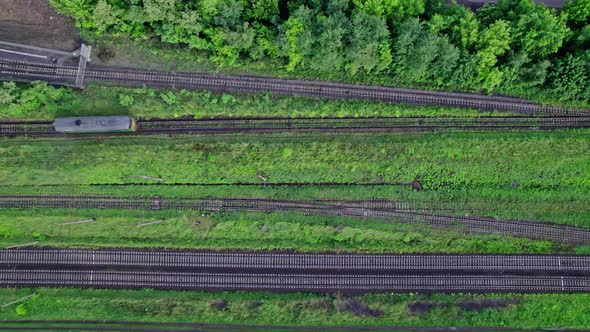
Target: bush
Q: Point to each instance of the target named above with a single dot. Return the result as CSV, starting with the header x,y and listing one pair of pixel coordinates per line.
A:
x,y
168,97
21,310
126,100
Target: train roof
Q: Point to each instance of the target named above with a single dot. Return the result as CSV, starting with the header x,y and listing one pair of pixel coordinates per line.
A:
x,y
92,123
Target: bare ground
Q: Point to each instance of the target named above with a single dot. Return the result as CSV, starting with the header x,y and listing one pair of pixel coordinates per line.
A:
x,y
36,23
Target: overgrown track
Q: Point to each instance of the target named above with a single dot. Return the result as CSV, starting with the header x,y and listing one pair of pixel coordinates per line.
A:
x,y
255,84
270,125
347,273
337,263
361,124
401,212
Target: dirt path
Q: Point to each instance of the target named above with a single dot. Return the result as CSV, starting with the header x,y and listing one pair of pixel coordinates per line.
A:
x,y
36,23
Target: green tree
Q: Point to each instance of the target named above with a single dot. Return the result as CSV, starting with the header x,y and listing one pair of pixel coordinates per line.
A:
x,y
493,42
298,37
459,24
569,76
81,10
537,30
394,11
8,93
577,10
328,51
160,10
369,48
105,16
265,43
262,10
540,33
423,56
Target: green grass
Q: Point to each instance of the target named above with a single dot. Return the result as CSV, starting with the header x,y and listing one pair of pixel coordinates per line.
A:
x,y
518,310
98,99
446,162
247,230
560,206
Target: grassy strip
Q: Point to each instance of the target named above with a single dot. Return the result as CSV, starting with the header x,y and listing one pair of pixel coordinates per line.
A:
x,y
248,230
560,206
495,310
448,162
145,103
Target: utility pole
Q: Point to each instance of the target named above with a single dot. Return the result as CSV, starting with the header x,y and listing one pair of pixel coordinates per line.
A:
x,y
19,300
22,245
151,223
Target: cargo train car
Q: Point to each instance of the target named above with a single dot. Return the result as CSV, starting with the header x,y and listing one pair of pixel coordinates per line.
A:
x,y
94,124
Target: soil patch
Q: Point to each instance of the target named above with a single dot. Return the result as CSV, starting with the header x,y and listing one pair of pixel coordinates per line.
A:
x,y
36,23
358,308
480,305
422,307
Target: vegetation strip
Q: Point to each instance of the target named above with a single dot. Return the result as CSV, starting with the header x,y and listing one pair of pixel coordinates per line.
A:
x,y
252,84
101,325
405,213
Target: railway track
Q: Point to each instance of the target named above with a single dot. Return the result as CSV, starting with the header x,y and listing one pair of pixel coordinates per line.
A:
x,y
336,283
345,273
255,84
271,125
401,212
311,263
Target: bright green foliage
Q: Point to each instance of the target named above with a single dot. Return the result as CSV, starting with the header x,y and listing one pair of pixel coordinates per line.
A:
x,y
106,16
456,47
39,96
168,97
251,231
82,10
21,309
264,43
394,11
298,37
540,33
461,25
267,10
531,311
448,163
569,77
369,45
126,100
493,42
422,56
577,10
328,52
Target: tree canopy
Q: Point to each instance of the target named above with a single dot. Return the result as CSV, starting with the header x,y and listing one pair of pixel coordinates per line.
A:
x,y
516,44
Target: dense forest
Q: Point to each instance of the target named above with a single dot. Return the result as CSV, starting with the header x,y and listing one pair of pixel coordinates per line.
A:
x,y
514,46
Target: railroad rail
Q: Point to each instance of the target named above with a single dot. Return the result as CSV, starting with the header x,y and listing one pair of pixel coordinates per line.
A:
x,y
311,263
257,84
347,273
401,212
270,125
337,283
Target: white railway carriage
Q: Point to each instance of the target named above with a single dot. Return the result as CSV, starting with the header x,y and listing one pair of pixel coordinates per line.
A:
x,y
94,124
